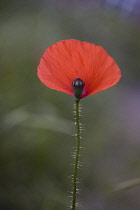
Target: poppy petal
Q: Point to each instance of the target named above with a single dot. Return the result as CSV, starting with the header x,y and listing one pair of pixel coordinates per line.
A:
x,y
68,60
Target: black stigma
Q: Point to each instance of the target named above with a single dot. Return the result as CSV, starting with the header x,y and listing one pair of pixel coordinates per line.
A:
x,y
78,83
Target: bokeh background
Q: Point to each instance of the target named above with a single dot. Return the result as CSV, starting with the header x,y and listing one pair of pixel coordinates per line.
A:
x,y
37,123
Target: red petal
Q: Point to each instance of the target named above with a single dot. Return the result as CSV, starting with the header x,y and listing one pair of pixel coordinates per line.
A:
x,y
67,60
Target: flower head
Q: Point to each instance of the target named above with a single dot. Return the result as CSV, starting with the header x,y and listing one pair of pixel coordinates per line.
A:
x,y
71,63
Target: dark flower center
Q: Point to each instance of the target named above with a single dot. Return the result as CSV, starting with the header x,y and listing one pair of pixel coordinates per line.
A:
x,y
78,86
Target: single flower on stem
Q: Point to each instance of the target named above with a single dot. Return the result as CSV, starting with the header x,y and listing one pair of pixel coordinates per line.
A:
x,y
70,59
80,69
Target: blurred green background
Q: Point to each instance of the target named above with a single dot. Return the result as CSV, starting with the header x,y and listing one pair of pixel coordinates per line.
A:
x,y
37,123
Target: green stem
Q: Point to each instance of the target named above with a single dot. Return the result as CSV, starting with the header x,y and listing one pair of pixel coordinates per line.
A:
x,y
76,155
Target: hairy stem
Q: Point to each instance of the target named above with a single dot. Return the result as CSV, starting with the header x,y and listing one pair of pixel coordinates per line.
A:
x,y
76,155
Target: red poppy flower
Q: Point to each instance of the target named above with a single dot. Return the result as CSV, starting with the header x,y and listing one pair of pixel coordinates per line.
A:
x,y
68,60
